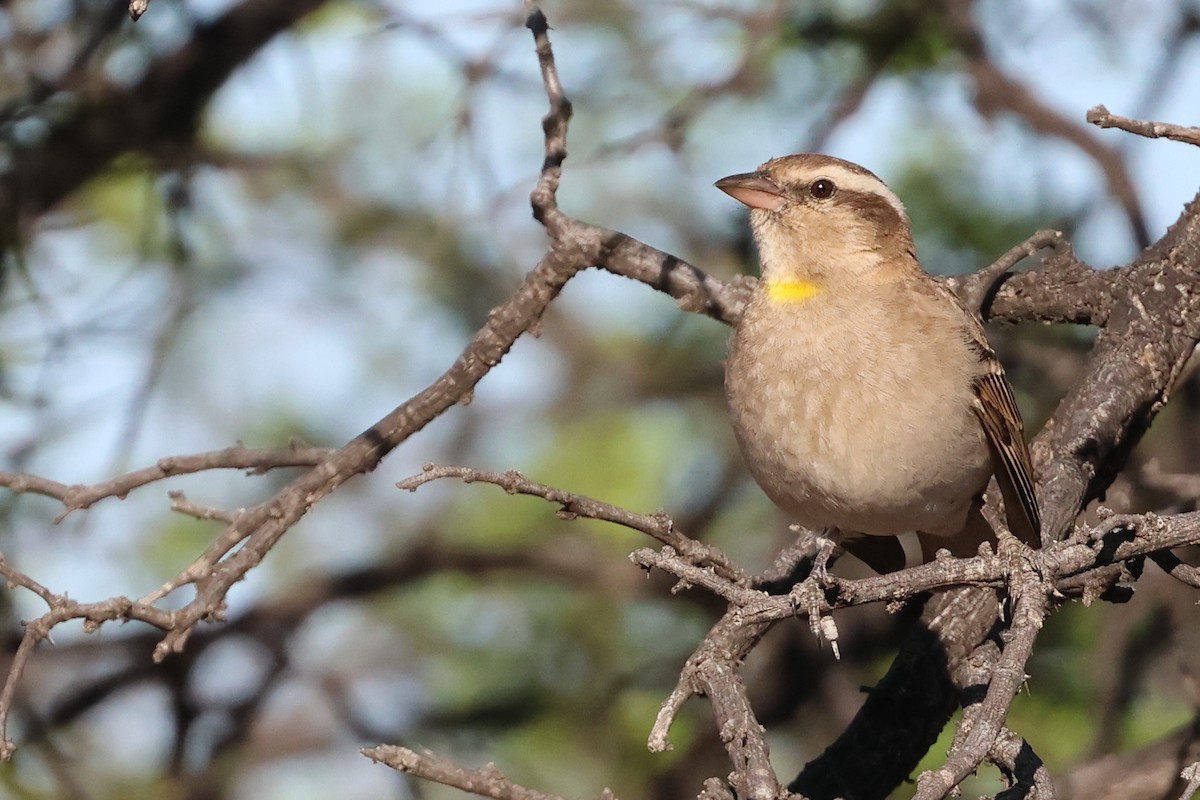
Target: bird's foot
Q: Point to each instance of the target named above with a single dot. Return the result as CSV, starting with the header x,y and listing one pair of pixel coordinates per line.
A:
x,y
809,597
826,547
820,567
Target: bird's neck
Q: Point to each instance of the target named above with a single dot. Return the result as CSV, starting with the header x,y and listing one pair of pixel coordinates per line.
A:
x,y
793,289
799,275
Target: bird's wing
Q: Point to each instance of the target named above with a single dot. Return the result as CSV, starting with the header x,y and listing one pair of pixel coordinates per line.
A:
x,y
997,411
1005,431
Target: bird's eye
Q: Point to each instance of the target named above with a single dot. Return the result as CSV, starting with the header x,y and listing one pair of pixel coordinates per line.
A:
x,y
822,188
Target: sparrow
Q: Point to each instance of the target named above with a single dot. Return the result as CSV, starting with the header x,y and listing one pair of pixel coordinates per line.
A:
x,y
864,396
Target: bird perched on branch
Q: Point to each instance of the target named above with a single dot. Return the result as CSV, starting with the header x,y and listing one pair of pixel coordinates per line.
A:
x,y
864,395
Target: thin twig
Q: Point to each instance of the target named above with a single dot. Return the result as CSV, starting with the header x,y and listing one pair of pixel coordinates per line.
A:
x,y
16,578
61,609
487,781
690,574
544,197
182,505
78,497
977,288
1103,118
658,525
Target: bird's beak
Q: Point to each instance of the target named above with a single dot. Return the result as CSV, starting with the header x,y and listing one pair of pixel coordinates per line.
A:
x,y
753,189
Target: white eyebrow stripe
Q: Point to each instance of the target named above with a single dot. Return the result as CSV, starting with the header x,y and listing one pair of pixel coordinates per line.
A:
x,y
857,182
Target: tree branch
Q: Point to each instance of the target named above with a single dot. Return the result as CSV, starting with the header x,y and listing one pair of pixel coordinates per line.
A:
x,y
78,497
486,782
1101,117
657,525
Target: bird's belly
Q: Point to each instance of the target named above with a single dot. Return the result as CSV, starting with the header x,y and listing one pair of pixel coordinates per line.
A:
x,y
838,439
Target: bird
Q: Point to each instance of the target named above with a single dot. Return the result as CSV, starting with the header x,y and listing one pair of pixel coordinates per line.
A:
x,y
864,396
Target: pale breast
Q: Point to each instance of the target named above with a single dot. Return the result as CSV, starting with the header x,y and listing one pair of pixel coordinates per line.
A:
x,y
868,428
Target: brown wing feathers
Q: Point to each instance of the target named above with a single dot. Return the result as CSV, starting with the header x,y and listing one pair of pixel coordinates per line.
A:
x,y
1005,431
1001,420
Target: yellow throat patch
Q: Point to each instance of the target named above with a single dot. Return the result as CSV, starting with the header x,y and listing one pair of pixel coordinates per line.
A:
x,y
793,291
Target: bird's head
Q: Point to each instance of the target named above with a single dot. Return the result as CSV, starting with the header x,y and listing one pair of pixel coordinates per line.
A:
x,y
817,217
